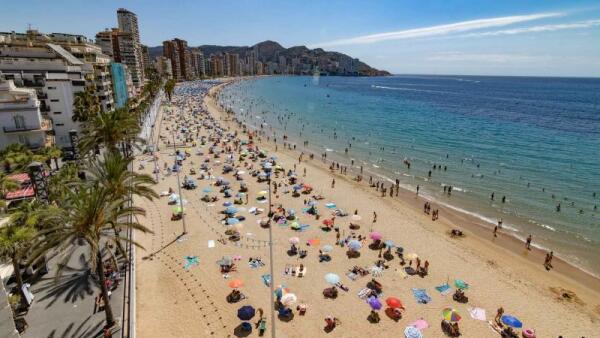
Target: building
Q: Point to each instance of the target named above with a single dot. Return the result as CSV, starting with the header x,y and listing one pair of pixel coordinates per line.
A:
x,y
79,46
119,76
181,59
128,23
53,72
163,67
198,63
21,119
146,58
121,46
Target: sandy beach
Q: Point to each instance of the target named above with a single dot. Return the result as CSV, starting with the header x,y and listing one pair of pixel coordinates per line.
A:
x,y
178,301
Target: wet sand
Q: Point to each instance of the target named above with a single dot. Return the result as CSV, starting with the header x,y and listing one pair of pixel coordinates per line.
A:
x,y
175,302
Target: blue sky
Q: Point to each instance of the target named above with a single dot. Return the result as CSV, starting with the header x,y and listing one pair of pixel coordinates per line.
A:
x,y
501,37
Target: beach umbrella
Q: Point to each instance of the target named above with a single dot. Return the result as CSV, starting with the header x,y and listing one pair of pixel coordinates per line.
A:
x,y
313,241
354,245
332,278
246,312
374,303
461,284
412,332
173,197
312,203
232,221
240,194
356,218
207,190
297,187
227,204
330,206
177,209
375,235
235,283
291,212
420,324
450,315
511,321
307,186
393,302
389,243
295,225
328,222
231,210
262,174
228,191
294,240
225,183
262,193
288,299
411,256
327,248
281,290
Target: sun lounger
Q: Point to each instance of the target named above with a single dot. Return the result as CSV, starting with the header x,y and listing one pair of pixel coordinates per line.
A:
x,y
352,275
365,293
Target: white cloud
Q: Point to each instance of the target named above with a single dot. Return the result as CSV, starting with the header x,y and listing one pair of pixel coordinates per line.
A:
x,y
484,57
535,29
457,27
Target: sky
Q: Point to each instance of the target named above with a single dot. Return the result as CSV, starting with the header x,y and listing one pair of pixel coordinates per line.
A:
x,y
467,37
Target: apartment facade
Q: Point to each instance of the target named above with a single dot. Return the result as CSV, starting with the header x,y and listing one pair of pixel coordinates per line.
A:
x,y
128,23
21,119
181,59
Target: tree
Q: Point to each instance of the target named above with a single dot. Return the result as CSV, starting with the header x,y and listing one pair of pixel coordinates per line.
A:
x,y
89,213
53,153
86,105
17,238
169,88
111,129
7,184
65,178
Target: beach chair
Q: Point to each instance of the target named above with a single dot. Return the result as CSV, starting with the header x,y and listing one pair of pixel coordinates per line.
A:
x,y
365,293
352,275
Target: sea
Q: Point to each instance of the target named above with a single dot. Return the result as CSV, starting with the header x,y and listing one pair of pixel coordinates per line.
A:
x,y
532,142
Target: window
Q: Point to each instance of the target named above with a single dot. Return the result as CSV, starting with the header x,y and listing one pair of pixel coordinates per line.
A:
x,y
59,124
54,100
50,88
57,113
78,83
19,121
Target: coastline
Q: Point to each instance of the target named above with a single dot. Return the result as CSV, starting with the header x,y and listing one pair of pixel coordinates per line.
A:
x,y
175,302
455,216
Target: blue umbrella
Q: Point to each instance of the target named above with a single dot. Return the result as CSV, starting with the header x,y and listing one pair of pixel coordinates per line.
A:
x,y
262,175
228,191
354,245
327,248
374,303
332,278
389,243
512,321
291,212
312,203
246,312
227,204
225,182
412,332
232,221
297,187
231,210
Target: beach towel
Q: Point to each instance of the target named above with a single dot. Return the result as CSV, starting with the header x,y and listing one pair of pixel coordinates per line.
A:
x,y
211,243
330,206
364,293
376,271
421,296
477,313
191,261
444,289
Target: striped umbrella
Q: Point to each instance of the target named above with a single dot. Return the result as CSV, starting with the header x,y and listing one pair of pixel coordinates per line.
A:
x,y
450,315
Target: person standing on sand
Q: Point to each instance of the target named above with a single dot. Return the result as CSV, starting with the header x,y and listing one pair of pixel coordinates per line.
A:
x,y
374,217
496,231
418,187
333,183
528,242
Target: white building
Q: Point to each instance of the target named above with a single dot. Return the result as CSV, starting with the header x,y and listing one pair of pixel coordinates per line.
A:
x,y
21,119
54,73
128,23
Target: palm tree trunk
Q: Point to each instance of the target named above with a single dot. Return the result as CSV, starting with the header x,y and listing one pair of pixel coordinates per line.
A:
x,y
110,320
119,245
19,278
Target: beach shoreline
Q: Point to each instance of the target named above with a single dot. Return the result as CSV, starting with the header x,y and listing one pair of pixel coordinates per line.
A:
x,y
452,218
174,301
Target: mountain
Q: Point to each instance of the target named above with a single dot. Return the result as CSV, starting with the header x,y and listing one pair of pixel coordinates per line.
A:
x,y
305,60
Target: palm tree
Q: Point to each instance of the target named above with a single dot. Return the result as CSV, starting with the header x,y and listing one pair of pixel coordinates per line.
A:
x,y
112,173
89,213
169,88
63,179
86,105
53,153
17,238
110,129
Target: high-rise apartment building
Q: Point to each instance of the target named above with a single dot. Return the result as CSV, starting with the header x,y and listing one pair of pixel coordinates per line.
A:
x,y
181,59
198,63
128,23
146,58
121,46
163,67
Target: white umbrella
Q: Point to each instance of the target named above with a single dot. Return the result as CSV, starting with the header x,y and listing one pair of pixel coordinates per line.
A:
x,y
288,299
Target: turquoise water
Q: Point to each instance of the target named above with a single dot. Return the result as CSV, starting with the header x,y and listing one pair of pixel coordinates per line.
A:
x,y
535,141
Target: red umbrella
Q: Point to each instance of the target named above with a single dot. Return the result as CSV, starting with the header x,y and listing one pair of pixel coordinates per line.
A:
x,y
328,222
394,302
